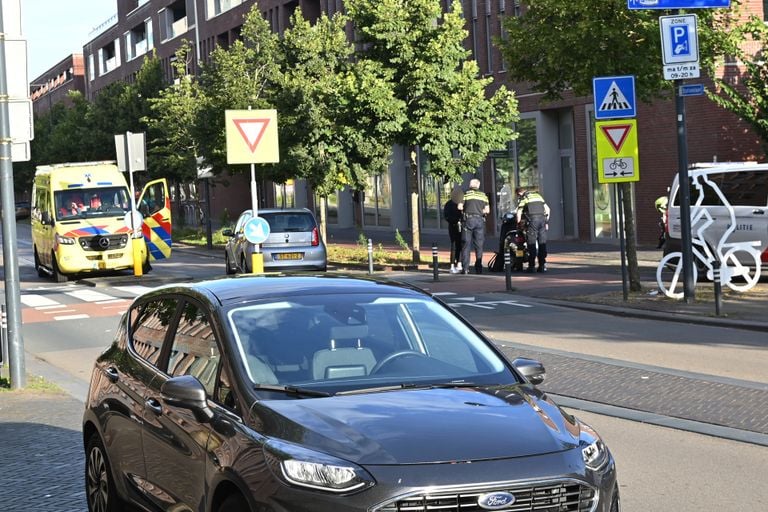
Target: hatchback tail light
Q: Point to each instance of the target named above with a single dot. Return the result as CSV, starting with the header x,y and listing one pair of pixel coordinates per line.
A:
x,y
764,256
315,237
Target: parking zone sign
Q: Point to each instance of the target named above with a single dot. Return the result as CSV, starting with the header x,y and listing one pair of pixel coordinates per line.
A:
x,y
617,153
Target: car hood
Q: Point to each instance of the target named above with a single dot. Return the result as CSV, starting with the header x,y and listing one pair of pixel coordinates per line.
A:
x,y
425,425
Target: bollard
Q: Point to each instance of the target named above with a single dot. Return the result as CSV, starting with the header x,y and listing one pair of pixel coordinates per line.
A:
x,y
717,281
435,275
370,256
508,267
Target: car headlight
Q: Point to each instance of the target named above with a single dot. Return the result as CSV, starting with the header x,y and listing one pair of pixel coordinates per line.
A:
x,y
307,468
593,450
64,240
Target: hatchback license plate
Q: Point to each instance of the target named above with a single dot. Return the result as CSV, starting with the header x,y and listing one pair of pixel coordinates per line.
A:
x,y
288,256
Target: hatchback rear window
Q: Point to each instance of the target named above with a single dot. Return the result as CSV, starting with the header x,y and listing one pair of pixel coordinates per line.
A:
x,y
289,222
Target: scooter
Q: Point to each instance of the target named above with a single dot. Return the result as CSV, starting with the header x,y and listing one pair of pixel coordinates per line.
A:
x,y
512,239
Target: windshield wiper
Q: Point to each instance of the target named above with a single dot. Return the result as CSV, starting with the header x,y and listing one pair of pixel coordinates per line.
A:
x,y
410,385
292,390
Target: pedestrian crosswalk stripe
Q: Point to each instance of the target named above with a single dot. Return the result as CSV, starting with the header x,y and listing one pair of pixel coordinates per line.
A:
x,y
614,99
36,301
89,295
134,290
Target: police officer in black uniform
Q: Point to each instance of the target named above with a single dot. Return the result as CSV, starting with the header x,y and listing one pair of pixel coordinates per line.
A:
x,y
474,206
532,209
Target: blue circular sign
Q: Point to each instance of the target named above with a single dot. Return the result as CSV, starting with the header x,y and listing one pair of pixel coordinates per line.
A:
x,y
256,230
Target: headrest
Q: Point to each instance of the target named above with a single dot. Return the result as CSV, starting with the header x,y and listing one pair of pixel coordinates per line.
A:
x,y
346,332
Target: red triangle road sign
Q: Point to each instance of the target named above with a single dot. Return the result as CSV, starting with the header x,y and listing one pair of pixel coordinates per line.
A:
x,y
251,130
616,134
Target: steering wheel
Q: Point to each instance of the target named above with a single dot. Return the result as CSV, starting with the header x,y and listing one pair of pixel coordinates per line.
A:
x,y
395,355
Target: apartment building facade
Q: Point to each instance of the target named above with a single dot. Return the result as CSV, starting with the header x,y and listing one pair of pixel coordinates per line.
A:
x,y
55,84
555,151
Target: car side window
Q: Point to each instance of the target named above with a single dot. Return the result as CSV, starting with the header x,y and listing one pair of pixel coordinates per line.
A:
x,y
194,350
244,217
150,323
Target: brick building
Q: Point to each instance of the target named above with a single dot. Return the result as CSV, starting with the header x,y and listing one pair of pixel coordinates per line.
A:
x,y
54,85
555,149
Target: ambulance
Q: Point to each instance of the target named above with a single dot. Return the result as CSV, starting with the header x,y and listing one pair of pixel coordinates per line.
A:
x,y
82,220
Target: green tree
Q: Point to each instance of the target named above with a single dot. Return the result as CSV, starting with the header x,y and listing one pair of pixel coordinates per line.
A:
x,y
561,45
449,114
337,115
239,77
748,99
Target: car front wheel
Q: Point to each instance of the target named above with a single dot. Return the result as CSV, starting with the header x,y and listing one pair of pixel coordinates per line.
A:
x,y
99,487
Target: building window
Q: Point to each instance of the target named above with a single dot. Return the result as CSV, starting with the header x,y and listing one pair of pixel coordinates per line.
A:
x,y
488,42
109,57
474,29
173,20
216,7
91,69
518,168
377,203
138,40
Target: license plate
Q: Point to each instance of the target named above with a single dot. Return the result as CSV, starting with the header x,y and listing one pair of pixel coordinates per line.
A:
x,y
102,265
288,256
519,254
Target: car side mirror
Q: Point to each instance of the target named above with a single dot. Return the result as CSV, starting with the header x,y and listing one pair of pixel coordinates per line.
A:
x,y
46,218
228,232
186,392
531,369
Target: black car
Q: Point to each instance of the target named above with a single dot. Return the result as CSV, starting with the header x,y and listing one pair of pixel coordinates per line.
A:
x,y
306,393
23,210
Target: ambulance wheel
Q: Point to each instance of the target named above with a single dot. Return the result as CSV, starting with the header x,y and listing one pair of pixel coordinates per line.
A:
x,y
40,270
57,275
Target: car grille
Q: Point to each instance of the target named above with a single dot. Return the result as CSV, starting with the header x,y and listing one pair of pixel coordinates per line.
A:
x,y
103,242
550,497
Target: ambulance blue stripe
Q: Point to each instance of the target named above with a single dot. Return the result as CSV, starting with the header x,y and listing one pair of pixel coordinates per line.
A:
x,y
163,234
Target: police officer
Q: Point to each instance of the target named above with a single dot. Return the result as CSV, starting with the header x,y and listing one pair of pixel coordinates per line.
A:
x,y
532,208
474,206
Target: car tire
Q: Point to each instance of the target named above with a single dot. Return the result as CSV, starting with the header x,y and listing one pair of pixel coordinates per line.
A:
x,y
616,503
228,265
40,270
233,503
100,491
243,265
146,267
57,275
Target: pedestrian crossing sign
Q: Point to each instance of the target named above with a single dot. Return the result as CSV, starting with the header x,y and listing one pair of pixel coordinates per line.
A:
x,y
614,96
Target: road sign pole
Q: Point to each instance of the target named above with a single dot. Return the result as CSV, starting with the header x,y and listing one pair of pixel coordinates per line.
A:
x,y
10,258
684,197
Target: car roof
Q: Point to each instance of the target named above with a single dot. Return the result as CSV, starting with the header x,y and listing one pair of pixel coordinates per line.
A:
x,y
240,289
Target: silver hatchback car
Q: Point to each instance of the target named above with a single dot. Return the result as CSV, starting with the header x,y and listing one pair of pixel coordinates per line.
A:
x,y
294,242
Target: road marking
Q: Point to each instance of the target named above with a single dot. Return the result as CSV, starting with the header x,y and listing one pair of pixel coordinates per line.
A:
x,y
37,301
443,294
89,295
491,304
134,290
71,317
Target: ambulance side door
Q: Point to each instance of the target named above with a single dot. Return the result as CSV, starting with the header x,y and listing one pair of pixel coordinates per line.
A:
x,y
155,206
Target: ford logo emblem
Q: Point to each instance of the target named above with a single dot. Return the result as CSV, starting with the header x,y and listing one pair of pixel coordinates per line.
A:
x,y
496,500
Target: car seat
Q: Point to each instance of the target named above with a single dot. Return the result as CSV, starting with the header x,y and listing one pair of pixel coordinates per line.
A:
x,y
339,361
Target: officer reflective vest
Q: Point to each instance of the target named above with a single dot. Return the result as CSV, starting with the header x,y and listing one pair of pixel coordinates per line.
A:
x,y
532,204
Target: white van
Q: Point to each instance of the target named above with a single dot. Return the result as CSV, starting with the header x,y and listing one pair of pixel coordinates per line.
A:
x,y
744,185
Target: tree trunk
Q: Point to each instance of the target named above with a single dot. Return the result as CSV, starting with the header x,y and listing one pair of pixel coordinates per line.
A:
x,y
414,187
323,218
631,237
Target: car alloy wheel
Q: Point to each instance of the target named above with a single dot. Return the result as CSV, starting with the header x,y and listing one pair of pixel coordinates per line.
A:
x,y
100,490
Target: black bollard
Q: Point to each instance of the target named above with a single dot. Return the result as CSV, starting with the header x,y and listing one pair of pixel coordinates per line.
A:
x,y
435,275
370,256
717,282
508,267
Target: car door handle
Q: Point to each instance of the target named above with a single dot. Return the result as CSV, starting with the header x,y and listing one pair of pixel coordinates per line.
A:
x,y
758,212
153,405
112,374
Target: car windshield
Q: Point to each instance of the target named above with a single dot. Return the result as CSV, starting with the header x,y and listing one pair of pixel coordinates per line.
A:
x,y
289,222
343,343
91,203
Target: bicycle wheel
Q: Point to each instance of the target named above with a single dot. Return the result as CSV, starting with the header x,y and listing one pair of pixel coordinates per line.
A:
x,y
749,273
669,275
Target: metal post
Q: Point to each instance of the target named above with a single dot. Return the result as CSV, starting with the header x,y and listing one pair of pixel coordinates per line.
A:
x,y
208,227
435,274
10,257
370,256
508,266
717,281
684,196
622,245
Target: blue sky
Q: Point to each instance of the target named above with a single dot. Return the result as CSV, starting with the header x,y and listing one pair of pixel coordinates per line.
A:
x,y
55,29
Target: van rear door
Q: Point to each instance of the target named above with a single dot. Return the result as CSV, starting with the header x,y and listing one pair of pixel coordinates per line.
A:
x,y
155,206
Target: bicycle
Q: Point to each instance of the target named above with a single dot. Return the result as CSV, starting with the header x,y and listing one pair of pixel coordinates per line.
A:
x,y
670,267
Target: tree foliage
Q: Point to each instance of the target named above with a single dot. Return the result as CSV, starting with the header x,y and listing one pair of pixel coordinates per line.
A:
x,y
748,99
561,45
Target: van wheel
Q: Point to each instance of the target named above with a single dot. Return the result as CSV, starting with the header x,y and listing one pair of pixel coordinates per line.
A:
x,y
40,270
57,275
